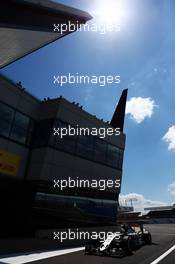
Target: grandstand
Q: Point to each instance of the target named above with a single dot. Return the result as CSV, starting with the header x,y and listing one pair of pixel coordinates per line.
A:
x,y
160,215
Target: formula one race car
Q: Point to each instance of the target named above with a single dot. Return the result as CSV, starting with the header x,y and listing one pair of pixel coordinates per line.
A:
x,y
121,243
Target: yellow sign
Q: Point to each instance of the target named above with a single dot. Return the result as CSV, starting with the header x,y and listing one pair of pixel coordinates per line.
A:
x,y
9,163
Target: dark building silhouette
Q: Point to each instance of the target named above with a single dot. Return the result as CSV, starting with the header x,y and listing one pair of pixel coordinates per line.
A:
x,y
30,156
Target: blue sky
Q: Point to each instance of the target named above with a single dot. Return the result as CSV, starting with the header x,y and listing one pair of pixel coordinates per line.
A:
x,y
142,53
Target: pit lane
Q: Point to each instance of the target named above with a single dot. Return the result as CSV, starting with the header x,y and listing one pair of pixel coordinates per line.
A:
x,y
163,240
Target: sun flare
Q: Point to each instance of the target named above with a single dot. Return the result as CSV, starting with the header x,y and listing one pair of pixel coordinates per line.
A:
x,y
110,11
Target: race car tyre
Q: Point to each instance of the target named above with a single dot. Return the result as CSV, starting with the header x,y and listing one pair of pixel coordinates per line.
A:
x,y
128,248
147,239
88,250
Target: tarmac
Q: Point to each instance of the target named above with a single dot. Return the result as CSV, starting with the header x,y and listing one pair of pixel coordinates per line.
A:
x,y
161,251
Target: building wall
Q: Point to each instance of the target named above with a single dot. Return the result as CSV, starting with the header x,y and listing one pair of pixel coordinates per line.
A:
x,y
17,109
46,162
17,97
27,131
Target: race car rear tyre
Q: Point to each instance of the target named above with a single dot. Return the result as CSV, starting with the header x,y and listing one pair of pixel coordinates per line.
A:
x,y
147,239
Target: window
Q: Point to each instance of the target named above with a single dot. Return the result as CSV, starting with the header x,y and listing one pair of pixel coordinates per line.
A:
x,y
4,128
6,113
86,146
21,121
120,159
66,143
15,125
112,156
100,150
20,128
30,132
18,134
6,119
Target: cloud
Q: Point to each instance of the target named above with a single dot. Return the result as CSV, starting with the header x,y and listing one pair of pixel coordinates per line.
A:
x,y
139,108
139,201
170,138
171,188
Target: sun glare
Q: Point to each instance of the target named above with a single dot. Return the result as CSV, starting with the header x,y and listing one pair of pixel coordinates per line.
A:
x,y
110,11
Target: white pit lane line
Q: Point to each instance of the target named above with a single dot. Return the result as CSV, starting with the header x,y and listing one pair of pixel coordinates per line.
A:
x,y
30,257
163,255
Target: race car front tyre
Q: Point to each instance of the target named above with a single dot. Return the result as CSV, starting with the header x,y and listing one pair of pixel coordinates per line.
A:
x,y
128,247
88,250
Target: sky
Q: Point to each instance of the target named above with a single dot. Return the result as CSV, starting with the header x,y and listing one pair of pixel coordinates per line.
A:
x,y
142,54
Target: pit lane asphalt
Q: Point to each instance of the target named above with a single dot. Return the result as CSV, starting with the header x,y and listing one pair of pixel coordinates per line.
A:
x,y
163,239
170,259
